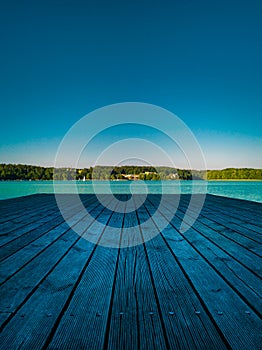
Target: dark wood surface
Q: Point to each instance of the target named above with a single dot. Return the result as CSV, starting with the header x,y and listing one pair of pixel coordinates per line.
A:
x,y
199,289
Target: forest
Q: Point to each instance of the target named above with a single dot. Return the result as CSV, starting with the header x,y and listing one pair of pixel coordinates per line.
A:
x,y
235,174
127,172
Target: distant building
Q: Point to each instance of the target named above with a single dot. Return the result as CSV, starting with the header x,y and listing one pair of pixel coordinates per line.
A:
x,y
131,176
174,176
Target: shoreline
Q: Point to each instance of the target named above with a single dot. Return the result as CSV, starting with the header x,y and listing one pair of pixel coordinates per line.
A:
x,y
126,181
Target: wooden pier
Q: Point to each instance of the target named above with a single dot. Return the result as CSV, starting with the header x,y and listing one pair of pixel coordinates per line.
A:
x,y
200,289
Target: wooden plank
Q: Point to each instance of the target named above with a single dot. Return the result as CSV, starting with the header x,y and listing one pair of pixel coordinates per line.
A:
x,y
243,281
213,212
14,228
242,254
231,228
84,322
20,259
237,322
16,233
31,234
237,236
250,206
26,219
226,220
238,252
187,324
52,295
67,292
250,211
19,288
135,318
26,210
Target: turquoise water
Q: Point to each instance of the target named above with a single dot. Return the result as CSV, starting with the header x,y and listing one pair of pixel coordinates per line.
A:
x,y
249,190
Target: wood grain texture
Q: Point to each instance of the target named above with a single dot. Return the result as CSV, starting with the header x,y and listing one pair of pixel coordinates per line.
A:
x,y
199,289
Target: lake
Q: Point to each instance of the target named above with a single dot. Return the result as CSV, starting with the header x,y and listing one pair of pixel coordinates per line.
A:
x,y
249,190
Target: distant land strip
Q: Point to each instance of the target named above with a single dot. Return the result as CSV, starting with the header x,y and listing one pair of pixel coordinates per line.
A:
x,y
126,172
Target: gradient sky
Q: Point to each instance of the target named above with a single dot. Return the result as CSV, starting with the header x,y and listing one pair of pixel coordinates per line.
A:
x,y
199,59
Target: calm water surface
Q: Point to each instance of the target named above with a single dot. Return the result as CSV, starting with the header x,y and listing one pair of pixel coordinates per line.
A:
x,y
249,190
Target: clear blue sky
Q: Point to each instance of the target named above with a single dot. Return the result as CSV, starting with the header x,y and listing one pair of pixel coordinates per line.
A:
x,y
201,60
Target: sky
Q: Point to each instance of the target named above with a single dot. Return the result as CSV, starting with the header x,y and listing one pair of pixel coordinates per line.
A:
x,y
63,59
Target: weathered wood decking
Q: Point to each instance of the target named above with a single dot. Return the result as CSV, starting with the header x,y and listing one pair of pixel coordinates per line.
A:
x,y
195,290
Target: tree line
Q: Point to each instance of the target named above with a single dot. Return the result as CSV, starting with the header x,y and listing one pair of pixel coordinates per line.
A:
x,y
235,174
31,172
